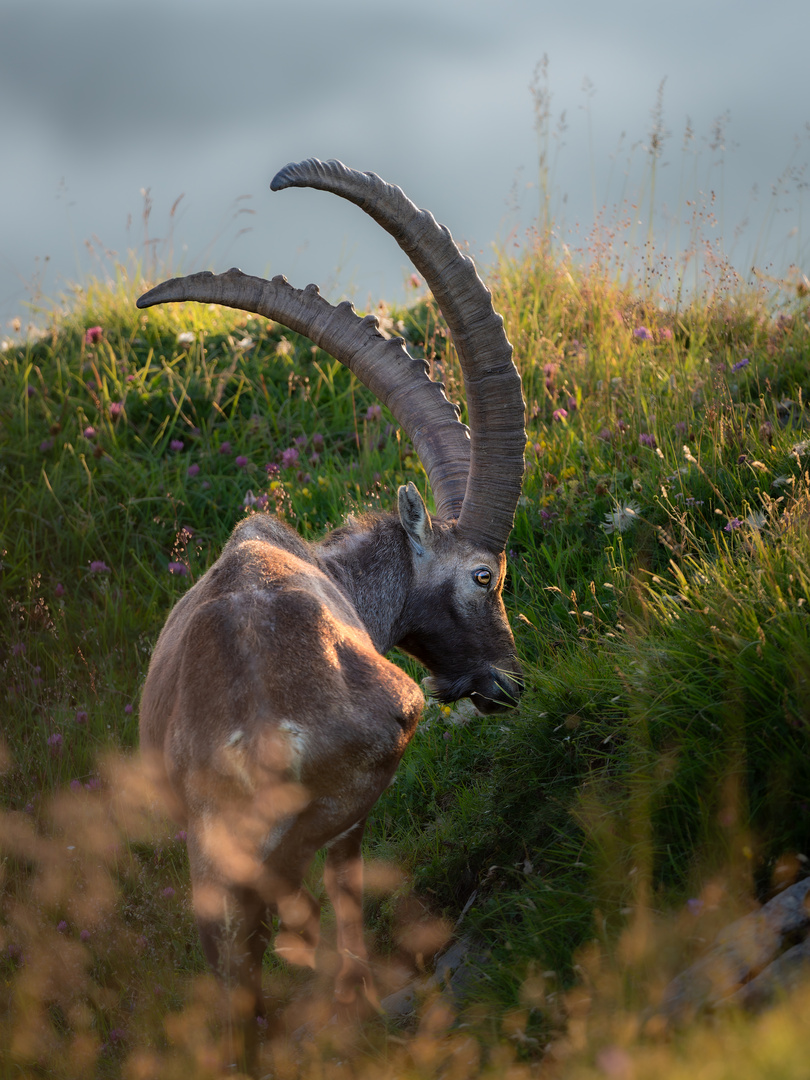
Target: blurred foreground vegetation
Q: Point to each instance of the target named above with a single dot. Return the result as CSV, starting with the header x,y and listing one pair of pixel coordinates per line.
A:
x,y
654,783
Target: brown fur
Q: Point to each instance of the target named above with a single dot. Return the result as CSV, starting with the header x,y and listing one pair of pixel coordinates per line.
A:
x,y
273,723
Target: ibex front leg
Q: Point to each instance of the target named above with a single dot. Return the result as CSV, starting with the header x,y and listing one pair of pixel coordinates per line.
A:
x,y
343,878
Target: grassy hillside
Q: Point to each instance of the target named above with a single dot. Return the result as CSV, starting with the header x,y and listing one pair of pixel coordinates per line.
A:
x,y
654,782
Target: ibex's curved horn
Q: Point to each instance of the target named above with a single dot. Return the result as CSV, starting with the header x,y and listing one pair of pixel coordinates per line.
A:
x,y
494,398
396,378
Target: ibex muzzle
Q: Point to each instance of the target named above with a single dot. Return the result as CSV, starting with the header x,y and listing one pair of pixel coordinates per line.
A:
x,y
270,714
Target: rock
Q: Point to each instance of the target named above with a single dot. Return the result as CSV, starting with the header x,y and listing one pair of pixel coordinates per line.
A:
x,y
745,966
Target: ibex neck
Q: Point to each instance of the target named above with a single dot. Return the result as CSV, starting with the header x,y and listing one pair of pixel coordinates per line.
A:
x,y
370,560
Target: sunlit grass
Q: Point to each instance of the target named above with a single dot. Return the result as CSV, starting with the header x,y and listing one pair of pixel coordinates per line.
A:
x,y
658,587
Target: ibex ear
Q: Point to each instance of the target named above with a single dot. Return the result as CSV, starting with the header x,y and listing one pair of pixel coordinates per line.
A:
x,y
415,518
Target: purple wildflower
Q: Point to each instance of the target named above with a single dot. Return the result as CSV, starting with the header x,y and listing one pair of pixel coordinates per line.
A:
x,y
289,457
17,649
75,785
271,468
317,440
168,892
116,408
89,432
559,414
642,333
81,716
741,364
93,784
225,448
192,470
647,439
62,927
92,335
735,523
374,412
180,835
176,444
46,445
665,333
178,568
605,434
60,589
85,935
695,905
97,566
242,462
54,743
128,710
30,391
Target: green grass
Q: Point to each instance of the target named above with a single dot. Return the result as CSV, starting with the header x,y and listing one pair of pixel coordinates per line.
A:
x,y
661,750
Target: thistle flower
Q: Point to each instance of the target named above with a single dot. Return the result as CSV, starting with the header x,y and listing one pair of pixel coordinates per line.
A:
x,y
622,518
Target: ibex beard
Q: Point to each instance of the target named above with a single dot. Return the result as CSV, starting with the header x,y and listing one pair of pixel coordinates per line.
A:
x,y
270,716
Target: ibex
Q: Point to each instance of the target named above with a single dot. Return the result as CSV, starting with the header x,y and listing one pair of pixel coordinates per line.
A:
x,y
269,711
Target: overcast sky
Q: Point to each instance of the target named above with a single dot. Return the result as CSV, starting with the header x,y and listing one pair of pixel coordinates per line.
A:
x,y
100,99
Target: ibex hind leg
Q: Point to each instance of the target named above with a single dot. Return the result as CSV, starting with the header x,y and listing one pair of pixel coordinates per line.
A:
x,y
355,994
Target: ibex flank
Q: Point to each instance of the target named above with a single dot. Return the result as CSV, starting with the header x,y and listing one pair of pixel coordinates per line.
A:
x,y
270,716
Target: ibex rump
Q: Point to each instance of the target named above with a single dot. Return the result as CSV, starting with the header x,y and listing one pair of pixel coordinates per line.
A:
x,y
270,713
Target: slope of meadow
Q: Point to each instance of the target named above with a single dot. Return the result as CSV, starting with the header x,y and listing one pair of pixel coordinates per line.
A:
x,y
654,782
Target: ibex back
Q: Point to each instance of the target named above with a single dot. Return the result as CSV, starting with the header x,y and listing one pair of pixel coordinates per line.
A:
x,y
270,715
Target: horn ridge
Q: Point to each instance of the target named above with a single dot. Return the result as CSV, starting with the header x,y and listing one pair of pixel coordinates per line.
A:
x,y
396,378
485,354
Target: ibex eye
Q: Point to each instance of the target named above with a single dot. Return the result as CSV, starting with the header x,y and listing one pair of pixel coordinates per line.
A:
x,y
482,577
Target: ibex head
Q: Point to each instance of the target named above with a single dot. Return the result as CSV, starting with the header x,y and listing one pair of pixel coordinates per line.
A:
x,y
454,621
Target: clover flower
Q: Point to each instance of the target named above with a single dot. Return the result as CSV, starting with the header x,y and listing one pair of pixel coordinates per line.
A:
x,y
242,462
92,335
647,439
97,566
176,445
192,470
559,414
178,569
116,408
225,447
289,457
54,744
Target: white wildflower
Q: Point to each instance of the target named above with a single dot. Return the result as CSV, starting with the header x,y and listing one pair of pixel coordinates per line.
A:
x,y
185,338
622,518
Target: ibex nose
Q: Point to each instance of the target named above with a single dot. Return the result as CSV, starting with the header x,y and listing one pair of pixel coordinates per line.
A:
x,y
503,693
